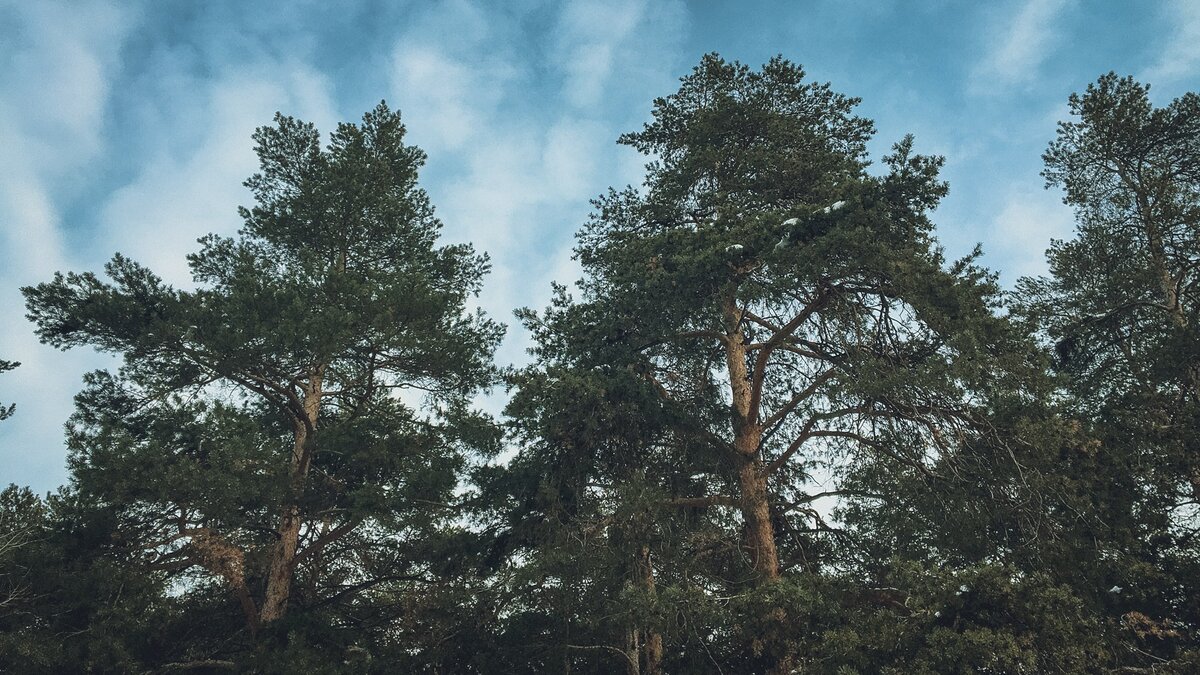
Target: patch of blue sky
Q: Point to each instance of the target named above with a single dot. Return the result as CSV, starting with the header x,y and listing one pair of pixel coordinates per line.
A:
x,y
125,126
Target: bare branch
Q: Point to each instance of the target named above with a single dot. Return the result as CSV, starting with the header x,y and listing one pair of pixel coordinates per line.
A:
x,y
799,398
824,295
711,500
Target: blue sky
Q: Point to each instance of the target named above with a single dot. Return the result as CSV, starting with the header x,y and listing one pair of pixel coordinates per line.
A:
x,y
125,126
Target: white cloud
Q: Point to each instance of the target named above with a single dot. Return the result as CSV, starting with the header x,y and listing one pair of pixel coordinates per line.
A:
x,y
179,196
604,45
446,101
1022,229
1180,56
1018,48
32,241
51,121
452,70
59,59
513,181
56,81
589,34
515,185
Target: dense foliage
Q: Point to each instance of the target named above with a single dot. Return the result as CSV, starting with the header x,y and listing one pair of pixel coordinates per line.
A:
x,y
773,429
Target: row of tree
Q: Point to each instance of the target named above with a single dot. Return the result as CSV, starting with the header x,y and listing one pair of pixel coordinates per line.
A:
x,y
772,430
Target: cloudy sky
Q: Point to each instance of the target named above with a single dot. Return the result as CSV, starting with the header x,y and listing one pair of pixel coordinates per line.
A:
x,y
125,126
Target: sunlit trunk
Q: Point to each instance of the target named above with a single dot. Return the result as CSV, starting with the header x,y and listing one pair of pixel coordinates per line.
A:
x,y
754,498
756,514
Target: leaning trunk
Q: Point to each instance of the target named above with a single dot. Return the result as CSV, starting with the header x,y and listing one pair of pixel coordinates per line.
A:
x,y
1168,286
283,558
279,578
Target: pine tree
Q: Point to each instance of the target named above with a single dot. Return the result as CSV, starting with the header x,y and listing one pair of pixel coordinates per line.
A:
x,y
257,433
1119,309
788,311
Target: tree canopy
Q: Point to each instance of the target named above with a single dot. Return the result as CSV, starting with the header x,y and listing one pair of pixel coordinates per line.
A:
x,y
258,433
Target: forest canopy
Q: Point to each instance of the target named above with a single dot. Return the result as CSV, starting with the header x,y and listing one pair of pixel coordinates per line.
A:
x,y
773,428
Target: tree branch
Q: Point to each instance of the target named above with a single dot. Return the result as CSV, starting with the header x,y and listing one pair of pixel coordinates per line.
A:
x,y
326,539
711,500
824,294
799,398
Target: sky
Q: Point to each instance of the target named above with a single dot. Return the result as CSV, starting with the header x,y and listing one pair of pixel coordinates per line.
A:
x,y
125,126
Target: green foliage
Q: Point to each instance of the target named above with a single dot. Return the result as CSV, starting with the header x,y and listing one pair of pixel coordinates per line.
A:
x,y
6,412
1120,311
759,238
274,388
69,602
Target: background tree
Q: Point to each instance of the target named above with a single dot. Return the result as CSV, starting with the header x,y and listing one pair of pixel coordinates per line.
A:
x,y
256,435
69,601
1120,310
6,412
588,508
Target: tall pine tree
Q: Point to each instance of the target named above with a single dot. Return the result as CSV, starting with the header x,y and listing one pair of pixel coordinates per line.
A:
x,y
256,433
787,310
1120,309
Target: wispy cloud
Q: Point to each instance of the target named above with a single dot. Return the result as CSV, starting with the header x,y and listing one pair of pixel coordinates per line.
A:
x,y
603,46
1022,229
515,179
1017,45
446,99
590,35
59,59
1180,56
180,194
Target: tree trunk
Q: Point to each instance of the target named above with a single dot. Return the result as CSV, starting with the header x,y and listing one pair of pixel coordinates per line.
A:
x,y
764,556
747,436
279,577
756,514
653,651
1166,283
633,650
650,653
754,500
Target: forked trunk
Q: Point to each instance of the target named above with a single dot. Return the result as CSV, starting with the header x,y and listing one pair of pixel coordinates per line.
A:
x,y
747,437
754,500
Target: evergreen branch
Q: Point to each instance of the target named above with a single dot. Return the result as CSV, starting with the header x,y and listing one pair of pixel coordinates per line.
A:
x,y
697,502
325,539
622,652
